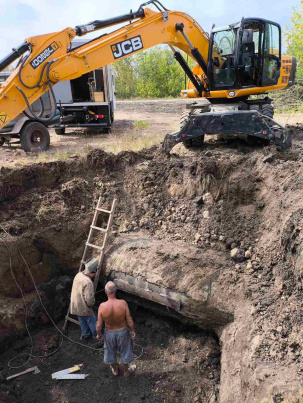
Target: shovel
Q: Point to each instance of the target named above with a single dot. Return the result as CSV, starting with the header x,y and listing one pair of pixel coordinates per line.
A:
x,y
35,370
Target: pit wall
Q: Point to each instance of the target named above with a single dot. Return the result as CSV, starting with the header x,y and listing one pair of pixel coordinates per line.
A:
x,y
179,217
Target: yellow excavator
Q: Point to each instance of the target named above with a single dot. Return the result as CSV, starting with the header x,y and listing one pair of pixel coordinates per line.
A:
x,y
236,66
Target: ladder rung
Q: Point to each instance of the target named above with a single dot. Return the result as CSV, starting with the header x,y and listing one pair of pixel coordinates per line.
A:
x,y
94,246
103,210
98,228
73,320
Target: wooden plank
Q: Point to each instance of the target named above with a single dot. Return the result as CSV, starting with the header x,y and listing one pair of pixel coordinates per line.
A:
x,y
103,210
98,228
94,246
147,294
99,96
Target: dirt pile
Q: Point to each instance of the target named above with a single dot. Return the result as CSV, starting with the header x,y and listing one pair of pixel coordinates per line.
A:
x,y
290,100
220,226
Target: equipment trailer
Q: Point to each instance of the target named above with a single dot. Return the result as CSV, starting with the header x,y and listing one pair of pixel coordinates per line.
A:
x,y
88,101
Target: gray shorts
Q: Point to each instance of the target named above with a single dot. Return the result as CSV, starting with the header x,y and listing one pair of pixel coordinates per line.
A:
x,y
117,341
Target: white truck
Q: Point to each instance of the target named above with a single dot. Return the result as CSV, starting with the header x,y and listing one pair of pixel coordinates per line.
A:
x,y
88,101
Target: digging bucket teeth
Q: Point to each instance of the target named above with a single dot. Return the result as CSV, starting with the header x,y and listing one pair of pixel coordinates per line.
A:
x,y
244,123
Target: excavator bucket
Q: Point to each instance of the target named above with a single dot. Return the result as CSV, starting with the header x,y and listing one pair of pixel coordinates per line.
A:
x,y
249,124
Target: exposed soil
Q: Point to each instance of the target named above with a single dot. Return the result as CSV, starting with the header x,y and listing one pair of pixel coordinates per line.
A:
x,y
177,365
159,117
219,226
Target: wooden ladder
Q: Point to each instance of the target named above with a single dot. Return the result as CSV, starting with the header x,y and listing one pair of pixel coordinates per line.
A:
x,y
101,249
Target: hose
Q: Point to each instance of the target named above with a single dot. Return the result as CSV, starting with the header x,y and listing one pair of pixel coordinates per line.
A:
x,y
39,80
32,114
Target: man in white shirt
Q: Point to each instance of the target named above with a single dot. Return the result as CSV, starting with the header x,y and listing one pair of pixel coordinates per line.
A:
x,y
82,301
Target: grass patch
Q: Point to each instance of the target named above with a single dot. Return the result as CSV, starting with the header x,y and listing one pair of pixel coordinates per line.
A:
x,y
43,212
140,125
131,142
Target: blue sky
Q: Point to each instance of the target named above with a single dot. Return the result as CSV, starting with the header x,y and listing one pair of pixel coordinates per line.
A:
x,y
20,19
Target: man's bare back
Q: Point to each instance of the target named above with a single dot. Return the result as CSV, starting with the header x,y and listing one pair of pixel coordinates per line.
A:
x,y
115,313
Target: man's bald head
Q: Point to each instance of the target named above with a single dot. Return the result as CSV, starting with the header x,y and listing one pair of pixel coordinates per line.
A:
x,y
111,288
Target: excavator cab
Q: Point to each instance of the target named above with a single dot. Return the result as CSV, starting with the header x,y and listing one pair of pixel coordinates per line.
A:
x,y
243,55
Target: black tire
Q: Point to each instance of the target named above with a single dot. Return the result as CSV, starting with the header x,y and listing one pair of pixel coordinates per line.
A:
x,y
184,118
2,141
254,108
60,131
34,137
268,110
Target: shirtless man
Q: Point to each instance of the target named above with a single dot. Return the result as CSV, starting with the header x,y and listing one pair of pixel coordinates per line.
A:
x,y
119,330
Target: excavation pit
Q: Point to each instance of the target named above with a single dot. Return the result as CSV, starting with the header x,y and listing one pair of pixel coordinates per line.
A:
x,y
179,217
176,363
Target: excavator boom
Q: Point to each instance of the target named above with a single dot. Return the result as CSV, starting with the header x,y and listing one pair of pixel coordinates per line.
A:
x,y
50,59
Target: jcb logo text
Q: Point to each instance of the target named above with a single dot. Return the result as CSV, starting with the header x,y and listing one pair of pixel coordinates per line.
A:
x,y
127,47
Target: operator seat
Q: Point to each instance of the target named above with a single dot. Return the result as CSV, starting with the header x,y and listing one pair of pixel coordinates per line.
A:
x,y
247,52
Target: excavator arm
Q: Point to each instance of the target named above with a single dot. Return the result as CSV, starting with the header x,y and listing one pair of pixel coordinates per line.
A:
x,y
48,59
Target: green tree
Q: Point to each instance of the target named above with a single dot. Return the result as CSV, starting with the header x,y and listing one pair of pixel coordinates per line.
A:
x,y
151,74
294,38
125,78
159,75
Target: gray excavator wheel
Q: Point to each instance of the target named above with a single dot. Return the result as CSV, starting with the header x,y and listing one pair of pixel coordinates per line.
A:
x,y
197,142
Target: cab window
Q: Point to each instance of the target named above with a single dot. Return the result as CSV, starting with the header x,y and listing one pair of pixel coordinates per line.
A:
x,y
271,61
225,42
223,58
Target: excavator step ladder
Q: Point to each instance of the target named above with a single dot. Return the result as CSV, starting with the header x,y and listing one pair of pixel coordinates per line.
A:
x,y
88,244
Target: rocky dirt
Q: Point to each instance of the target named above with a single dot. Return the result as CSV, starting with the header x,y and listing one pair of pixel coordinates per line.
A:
x,y
220,225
